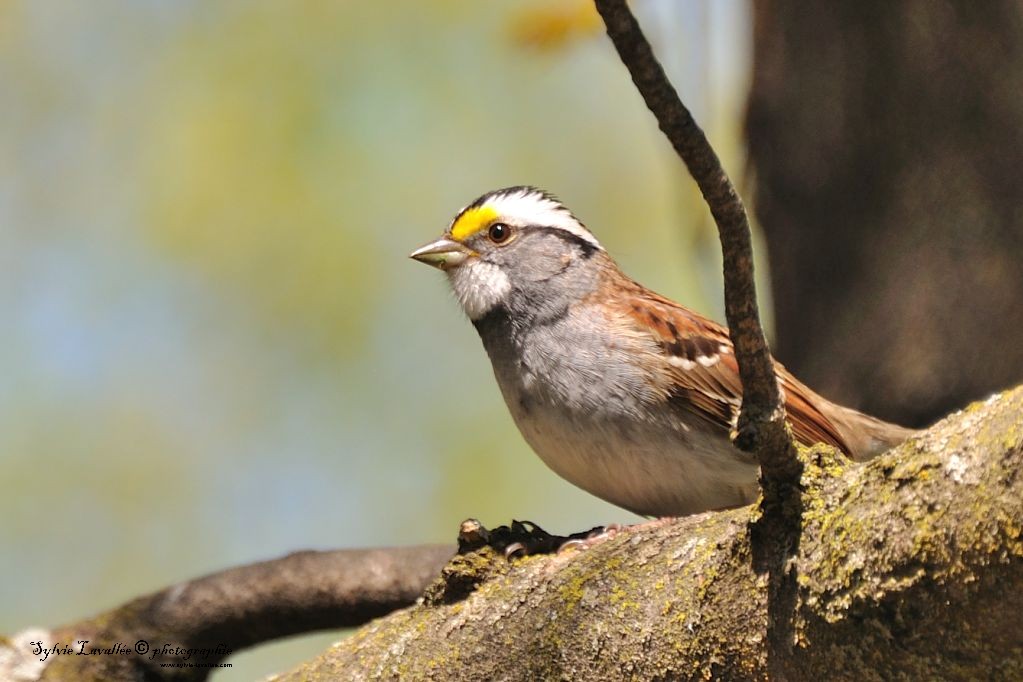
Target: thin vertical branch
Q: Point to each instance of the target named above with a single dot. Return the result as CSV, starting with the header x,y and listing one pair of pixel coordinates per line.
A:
x,y
762,414
761,426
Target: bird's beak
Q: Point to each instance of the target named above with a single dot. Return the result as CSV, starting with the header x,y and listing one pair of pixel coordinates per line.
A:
x,y
444,253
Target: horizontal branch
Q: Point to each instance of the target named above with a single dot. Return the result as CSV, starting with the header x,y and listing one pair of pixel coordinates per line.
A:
x,y
234,609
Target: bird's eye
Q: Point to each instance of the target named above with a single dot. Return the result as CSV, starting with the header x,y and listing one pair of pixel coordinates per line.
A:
x,y
499,232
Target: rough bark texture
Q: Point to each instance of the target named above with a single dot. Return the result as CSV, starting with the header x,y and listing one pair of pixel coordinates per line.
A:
x,y
911,565
887,143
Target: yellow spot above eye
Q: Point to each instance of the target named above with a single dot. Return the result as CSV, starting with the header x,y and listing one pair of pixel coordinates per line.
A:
x,y
473,220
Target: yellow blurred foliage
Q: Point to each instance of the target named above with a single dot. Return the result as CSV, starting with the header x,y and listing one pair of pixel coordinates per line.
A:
x,y
551,26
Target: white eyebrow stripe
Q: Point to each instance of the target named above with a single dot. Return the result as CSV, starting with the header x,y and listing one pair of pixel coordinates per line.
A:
x,y
531,207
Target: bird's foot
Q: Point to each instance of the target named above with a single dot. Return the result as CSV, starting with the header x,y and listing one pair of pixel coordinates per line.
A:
x,y
524,538
590,538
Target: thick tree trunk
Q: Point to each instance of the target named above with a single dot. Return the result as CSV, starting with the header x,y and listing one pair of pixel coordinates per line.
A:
x,y
911,565
887,142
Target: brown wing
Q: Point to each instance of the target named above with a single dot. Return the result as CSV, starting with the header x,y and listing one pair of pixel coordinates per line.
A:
x,y
703,374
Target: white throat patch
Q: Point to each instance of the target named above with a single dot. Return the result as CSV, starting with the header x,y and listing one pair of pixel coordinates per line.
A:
x,y
478,286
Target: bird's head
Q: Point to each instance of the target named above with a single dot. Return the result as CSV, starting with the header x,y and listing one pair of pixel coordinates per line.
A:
x,y
515,247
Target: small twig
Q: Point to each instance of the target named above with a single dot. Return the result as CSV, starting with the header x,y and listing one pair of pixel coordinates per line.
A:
x,y
761,425
762,416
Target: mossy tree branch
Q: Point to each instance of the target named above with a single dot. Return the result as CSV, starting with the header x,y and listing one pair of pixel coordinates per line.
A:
x,y
910,566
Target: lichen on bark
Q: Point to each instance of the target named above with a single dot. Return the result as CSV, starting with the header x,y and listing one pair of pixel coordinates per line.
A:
x,y
908,566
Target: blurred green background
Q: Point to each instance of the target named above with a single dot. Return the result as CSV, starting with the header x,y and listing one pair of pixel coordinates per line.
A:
x,y
215,350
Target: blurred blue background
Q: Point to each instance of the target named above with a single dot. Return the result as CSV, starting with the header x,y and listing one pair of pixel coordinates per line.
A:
x,y
215,350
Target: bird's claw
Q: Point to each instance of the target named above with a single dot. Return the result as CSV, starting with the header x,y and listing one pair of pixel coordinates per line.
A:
x,y
525,538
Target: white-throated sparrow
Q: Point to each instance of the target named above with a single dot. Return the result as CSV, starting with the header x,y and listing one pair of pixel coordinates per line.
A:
x,y
622,392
